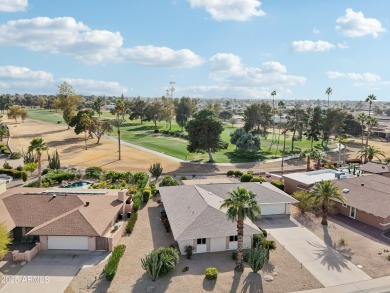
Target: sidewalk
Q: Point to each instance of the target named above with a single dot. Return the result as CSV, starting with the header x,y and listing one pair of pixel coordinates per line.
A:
x,y
380,285
327,265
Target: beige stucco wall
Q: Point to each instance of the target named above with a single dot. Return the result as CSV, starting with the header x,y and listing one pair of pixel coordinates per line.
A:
x,y
3,187
91,243
44,242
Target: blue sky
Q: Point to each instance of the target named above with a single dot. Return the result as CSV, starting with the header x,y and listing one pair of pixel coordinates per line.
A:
x,y
210,48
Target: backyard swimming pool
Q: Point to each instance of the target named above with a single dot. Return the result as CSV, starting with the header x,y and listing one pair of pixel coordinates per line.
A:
x,y
78,184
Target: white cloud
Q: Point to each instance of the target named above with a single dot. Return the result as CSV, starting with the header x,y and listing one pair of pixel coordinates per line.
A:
x,y
354,24
64,35
342,45
316,31
366,77
310,46
13,5
232,78
19,79
161,56
239,10
96,87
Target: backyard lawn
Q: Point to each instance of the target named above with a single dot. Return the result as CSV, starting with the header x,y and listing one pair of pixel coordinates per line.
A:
x,y
144,135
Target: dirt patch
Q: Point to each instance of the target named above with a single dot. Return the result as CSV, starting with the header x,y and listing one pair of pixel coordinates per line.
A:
x,y
358,248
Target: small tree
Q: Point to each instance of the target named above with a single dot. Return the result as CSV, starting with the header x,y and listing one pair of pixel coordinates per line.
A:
x,y
30,167
152,264
5,240
169,181
305,202
156,170
54,161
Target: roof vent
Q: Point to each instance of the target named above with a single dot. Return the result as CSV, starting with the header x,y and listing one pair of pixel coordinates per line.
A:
x,y
87,204
345,190
383,167
362,184
54,196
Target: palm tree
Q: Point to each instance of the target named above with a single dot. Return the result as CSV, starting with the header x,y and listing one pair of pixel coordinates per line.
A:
x,y
118,122
311,154
370,99
281,106
370,152
371,122
38,145
322,192
328,92
362,118
240,205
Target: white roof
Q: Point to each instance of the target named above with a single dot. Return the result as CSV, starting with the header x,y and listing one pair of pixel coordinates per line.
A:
x,y
309,178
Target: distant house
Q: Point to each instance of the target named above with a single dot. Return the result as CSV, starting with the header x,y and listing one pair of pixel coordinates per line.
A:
x,y
376,168
80,220
196,218
109,106
306,180
368,200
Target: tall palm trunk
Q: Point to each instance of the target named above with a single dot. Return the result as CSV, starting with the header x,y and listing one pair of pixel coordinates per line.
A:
x,y
119,143
240,241
324,207
39,156
308,163
85,138
284,148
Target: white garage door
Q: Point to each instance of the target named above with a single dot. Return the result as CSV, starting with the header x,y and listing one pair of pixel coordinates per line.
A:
x,y
68,242
272,209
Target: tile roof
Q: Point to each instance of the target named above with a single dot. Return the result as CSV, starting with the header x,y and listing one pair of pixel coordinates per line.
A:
x,y
373,197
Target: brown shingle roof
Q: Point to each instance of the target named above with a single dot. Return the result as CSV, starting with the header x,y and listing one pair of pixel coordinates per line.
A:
x,y
71,224
375,168
31,210
373,197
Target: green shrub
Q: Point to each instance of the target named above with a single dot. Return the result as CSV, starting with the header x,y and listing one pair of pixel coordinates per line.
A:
x,y
265,233
161,260
156,131
45,171
211,273
11,172
183,178
137,201
131,222
93,172
246,177
57,176
15,155
146,195
257,239
278,184
24,176
7,165
256,258
33,183
19,168
230,173
258,179
250,172
169,181
238,173
6,152
112,265
141,179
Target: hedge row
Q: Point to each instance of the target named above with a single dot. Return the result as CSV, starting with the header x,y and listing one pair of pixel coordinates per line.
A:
x,y
131,222
278,184
112,265
11,172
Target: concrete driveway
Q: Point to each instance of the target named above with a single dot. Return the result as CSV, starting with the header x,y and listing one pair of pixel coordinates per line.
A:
x,y
50,271
327,265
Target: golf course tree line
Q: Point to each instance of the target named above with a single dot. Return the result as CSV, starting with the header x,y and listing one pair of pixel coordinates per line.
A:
x,y
255,130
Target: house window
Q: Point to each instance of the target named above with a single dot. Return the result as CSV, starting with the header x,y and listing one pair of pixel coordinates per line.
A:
x,y
344,205
201,241
233,238
352,212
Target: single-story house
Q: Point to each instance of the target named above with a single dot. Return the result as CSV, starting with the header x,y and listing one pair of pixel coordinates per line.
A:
x,y
77,219
368,200
305,180
376,168
196,219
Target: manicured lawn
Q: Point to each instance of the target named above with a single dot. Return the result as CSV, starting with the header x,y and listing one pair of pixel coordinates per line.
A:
x,y
143,135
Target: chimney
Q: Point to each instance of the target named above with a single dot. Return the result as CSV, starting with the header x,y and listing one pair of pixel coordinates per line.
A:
x,y
121,195
87,204
362,184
